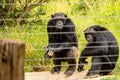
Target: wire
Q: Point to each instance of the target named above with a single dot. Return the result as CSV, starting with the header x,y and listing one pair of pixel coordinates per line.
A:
x,y
60,58
47,3
65,65
48,18
113,46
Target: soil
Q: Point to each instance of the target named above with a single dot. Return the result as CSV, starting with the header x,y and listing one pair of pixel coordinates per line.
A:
x,y
60,76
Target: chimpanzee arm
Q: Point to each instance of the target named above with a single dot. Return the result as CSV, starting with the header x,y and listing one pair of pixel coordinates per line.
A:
x,y
50,30
92,52
62,47
95,50
72,38
71,35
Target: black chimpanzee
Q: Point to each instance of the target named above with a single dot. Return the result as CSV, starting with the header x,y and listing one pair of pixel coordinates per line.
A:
x,y
63,43
102,46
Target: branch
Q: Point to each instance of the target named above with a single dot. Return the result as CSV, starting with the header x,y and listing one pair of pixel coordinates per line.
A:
x,y
27,9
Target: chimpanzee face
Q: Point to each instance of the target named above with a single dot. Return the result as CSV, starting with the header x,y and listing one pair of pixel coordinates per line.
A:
x,y
59,23
90,35
59,20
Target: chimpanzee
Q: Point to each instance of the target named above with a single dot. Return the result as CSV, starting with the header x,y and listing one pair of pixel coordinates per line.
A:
x,y
63,43
102,46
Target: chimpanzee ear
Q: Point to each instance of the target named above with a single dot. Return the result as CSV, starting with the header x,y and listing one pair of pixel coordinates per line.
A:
x,y
65,15
52,16
84,31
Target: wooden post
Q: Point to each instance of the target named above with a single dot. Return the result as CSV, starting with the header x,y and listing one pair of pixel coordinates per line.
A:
x,y
11,60
0,61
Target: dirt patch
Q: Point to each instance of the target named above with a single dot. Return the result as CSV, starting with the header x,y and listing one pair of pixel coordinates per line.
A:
x,y
60,76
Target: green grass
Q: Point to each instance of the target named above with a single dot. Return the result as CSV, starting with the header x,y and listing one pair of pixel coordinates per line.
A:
x,y
109,78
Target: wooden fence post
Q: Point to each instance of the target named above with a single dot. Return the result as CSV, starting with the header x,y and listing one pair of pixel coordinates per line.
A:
x,y
11,60
0,62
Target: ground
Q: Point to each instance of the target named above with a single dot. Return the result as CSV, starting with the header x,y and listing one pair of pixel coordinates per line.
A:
x,y
60,76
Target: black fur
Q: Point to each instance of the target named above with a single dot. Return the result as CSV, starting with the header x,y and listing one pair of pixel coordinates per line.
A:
x,y
61,41
103,50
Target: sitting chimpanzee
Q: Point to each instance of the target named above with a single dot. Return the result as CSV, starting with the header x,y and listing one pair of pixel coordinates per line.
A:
x,y
103,48
63,43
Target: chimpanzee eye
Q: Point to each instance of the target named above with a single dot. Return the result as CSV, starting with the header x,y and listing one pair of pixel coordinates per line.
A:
x,y
64,21
60,22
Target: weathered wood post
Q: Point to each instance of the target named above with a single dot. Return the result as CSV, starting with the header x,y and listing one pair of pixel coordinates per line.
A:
x,y
11,60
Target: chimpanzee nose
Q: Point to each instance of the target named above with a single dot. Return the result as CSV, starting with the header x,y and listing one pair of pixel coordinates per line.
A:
x,y
60,23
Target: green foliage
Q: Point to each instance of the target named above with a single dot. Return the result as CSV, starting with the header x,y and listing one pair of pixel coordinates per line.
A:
x,y
109,78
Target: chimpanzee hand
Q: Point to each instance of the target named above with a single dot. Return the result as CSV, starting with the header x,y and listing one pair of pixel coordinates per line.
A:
x,y
49,52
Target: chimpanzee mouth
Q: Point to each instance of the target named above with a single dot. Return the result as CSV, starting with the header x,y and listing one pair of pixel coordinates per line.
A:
x,y
59,27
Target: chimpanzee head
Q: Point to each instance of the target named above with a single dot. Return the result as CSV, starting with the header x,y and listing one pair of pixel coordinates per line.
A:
x,y
94,33
58,20
90,34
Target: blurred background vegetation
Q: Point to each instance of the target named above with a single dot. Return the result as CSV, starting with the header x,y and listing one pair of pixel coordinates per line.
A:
x,y
26,20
